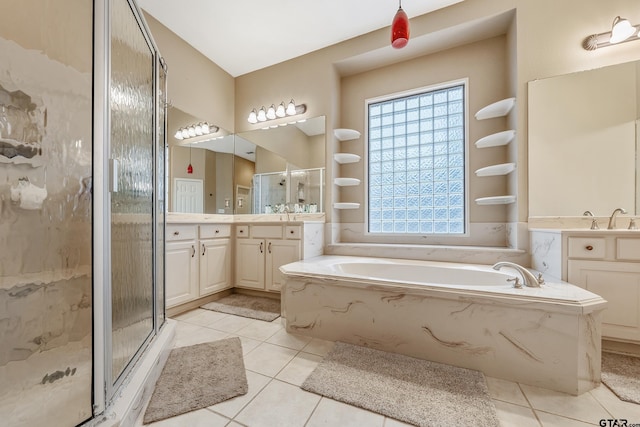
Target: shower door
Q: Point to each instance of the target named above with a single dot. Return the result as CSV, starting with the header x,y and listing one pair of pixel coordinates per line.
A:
x,y
133,131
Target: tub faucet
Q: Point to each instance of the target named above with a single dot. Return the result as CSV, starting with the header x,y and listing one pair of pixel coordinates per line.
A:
x,y
612,219
527,276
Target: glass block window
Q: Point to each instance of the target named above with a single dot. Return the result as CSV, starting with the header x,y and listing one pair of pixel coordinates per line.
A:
x,y
416,162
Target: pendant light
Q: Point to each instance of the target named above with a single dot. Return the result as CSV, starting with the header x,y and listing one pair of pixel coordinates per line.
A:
x,y
400,28
189,168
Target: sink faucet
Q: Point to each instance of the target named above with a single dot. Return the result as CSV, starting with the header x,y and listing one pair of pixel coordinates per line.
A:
x,y
612,219
286,210
528,277
594,221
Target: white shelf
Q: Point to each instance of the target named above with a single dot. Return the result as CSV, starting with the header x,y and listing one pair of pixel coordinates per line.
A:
x,y
494,170
346,134
496,200
496,139
497,109
344,205
343,158
346,182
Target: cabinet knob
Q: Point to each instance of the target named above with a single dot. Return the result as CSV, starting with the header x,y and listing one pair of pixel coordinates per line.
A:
x,y
217,231
291,231
241,231
176,233
589,247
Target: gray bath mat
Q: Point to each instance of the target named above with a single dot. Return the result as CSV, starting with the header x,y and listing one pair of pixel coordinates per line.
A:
x,y
411,390
621,374
196,377
260,308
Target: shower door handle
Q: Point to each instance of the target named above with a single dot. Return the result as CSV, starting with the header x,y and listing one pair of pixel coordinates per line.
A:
x,y
113,175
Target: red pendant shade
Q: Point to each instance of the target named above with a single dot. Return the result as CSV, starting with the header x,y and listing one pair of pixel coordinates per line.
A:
x,y
400,29
189,168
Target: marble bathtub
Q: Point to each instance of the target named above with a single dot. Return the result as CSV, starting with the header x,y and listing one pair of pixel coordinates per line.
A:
x,y
460,314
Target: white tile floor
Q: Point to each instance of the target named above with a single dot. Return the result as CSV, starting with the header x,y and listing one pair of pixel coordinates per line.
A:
x,y
278,362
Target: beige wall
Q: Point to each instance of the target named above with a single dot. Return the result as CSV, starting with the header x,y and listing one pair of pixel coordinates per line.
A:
x,y
210,181
267,161
29,20
224,177
195,84
487,83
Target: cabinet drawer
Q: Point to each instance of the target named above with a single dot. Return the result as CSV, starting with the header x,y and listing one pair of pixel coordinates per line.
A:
x,y
628,249
266,232
586,247
212,231
180,232
242,231
292,232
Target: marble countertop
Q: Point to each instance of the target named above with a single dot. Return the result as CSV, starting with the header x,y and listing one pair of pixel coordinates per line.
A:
x,y
587,231
185,218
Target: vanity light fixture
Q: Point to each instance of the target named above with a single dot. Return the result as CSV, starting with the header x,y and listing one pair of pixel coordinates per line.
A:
x,y
273,112
400,28
197,129
621,31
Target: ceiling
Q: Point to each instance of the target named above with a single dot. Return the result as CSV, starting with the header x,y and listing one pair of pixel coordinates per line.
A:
x,y
270,32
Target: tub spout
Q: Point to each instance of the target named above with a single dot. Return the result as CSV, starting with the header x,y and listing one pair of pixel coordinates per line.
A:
x,y
528,278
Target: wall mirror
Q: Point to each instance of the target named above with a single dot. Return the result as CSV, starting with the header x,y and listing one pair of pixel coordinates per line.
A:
x,y
583,142
259,171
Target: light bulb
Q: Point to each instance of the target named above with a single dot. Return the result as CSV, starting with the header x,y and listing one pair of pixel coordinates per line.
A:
x,y
253,117
291,108
205,128
271,112
198,129
191,131
281,110
262,115
178,135
185,133
622,30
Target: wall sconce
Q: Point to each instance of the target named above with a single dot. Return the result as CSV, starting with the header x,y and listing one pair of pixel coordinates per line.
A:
x,y
194,130
273,112
621,31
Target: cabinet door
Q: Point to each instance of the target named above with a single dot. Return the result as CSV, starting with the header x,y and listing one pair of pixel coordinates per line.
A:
x,y
279,252
619,284
215,266
250,263
181,269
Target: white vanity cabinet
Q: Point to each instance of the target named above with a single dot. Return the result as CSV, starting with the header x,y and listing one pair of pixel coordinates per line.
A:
x,y
610,267
261,250
198,261
181,263
605,262
215,258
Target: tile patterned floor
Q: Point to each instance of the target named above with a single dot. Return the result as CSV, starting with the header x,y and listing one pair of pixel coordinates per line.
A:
x,y
278,362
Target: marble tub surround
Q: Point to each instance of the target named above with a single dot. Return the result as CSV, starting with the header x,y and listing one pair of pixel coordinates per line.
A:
x,y
547,337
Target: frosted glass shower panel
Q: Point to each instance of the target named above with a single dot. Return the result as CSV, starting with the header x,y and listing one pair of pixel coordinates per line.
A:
x,y
132,136
45,214
270,191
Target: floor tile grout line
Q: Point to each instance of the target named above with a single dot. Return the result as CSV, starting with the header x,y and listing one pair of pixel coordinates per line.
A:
x,y
313,411
600,403
529,403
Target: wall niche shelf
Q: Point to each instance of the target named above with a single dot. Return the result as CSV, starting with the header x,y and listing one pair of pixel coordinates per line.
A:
x,y
346,134
345,205
343,158
496,200
346,182
497,109
495,170
496,139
